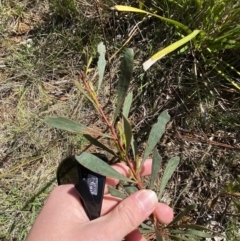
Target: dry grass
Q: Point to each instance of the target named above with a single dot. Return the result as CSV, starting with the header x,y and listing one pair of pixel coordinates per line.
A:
x,y
40,54
36,81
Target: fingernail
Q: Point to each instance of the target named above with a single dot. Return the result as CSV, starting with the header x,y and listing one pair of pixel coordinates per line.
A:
x,y
147,200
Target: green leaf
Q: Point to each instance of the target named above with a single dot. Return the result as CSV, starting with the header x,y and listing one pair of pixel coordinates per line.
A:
x,y
159,237
157,160
145,226
127,132
127,104
145,229
134,147
156,133
182,214
137,10
95,142
222,69
191,226
147,64
130,189
101,63
181,193
193,232
72,126
228,34
97,165
126,69
65,124
169,170
183,238
116,193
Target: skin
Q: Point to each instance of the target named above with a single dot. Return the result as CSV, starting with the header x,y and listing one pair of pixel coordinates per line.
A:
x,y
64,219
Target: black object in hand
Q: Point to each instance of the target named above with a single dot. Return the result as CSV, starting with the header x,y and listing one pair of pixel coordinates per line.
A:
x,y
90,185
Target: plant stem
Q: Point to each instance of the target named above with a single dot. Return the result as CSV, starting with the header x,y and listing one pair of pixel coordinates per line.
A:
x,y
113,131
133,167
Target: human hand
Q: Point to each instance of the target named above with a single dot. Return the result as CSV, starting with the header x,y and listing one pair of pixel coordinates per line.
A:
x,y
64,219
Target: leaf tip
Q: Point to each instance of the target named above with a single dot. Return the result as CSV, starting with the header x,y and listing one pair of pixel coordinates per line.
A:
x,y
147,64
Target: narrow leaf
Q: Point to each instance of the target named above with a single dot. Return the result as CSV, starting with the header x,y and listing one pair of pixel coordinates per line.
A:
x,y
181,193
157,160
95,142
156,133
159,237
191,226
97,165
127,104
72,126
145,229
193,232
170,168
127,132
168,20
126,69
124,8
230,33
89,63
134,147
228,78
116,193
130,189
182,214
65,124
183,238
145,226
140,4
169,49
200,234
101,63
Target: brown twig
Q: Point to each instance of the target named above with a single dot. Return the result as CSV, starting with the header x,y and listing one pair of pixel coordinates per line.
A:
x,y
192,138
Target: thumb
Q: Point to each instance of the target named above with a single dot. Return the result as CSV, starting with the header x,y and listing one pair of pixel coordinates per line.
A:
x,y
130,213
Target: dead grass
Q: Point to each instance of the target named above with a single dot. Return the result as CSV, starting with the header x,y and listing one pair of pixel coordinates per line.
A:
x,y
40,55
36,81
